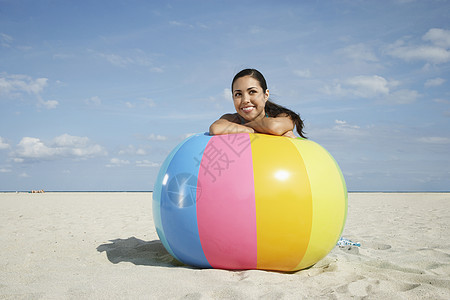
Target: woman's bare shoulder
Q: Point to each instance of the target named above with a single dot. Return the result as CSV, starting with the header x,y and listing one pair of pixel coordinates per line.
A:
x,y
282,115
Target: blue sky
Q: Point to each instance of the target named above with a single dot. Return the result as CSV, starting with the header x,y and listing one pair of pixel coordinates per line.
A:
x,y
95,94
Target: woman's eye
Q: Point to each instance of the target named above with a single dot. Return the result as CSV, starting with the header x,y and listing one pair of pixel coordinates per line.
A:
x,y
252,92
237,94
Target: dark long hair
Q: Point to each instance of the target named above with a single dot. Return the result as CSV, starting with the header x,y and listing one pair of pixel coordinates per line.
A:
x,y
272,109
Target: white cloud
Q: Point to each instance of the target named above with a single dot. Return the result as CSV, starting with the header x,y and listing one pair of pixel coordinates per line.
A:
x,y
70,141
303,73
360,86
15,85
434,82
435,53
132,150
147,101
181,24
439,37
218,100
442,101
5,40
50,104
24,48
129,104
116,162
157,70
5,170
143,102
256,29
221,98
95,100
136,58
30,148
335,89
62,56
431,54
176,23
343,125
339,131
146,163
434,140
369,86
156,137
372,87
12,84
3,144
227,94
403,97
141,151
116,60
358,52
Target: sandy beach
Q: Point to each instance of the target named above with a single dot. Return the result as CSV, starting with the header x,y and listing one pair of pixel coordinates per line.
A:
x,y
104,246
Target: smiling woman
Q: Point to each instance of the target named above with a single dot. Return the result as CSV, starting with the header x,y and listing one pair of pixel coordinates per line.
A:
x,y
255,112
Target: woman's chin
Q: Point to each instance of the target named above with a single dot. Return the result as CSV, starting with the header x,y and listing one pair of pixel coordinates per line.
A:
x,y
248,117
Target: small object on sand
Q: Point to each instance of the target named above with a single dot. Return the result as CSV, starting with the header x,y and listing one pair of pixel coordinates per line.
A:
x,y
343,242
37,191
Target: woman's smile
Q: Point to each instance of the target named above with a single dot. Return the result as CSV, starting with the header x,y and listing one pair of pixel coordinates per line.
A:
x,y
248,109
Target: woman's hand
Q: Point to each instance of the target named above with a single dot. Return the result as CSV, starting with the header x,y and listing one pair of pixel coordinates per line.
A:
x,y
289,134
228,124
280,125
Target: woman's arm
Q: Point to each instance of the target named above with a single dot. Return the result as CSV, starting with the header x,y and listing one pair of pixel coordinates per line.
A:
x,y
227,124
281,125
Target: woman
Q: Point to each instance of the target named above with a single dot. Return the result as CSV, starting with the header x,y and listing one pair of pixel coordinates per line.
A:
x,y
254,111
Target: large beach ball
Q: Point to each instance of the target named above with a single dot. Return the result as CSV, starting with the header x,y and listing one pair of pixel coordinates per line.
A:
x,y
249,201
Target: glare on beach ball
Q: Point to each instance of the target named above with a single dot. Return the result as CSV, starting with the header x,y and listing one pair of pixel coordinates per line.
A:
x,y
249,201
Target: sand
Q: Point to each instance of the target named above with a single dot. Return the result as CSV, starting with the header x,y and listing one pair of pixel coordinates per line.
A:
x,y
104,246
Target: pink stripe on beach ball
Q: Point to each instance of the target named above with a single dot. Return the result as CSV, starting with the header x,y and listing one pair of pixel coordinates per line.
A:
x,y
226,203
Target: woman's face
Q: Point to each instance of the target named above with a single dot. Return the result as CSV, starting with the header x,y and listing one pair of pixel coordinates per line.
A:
x,y
249,98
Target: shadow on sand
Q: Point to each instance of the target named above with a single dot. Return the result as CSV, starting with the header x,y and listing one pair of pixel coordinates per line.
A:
x,y
138,252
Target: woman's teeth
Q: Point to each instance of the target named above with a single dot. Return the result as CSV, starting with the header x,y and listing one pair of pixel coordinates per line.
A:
x,y
247,109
